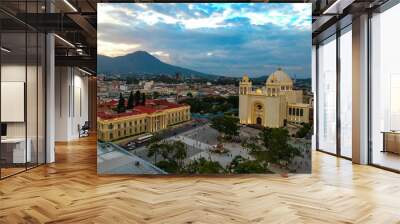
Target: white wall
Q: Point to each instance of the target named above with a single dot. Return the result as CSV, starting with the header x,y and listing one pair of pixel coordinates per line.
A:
x,y
71,102
33,126
12,73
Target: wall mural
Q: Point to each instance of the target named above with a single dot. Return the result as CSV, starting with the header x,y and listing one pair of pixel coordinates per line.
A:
x,y
202,88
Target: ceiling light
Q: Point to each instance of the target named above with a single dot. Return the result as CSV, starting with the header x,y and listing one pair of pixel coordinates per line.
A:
x,y
5,50
337,7
330,8
86,72
64,40
79,51
70,5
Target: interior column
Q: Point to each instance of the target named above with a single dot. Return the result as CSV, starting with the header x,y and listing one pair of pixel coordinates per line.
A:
x,y
50,98
360,90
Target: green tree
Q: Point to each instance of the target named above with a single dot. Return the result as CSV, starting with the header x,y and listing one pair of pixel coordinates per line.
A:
x,y
234,101
131,80
203,166
121,104
225,124
137,98
167,150
242,165
274,148
174,153
180,153
303,131
131,101
168,166
189,94
211,104
154,147
156,95
143,102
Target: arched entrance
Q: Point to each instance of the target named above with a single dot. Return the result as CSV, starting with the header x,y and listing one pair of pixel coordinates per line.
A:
x,y
258,113
259,120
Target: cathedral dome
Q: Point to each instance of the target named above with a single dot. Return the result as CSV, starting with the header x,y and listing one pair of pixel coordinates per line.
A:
x,y
279,77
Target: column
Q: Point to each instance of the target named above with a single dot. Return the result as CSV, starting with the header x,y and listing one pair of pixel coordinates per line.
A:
x,y
360,90
50,99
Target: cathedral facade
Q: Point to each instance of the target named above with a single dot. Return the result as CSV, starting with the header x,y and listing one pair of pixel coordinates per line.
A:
x,y
273,105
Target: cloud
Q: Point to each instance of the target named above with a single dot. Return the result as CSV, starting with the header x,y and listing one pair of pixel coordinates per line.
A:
x,y
225,39
115,49
164,56
214,16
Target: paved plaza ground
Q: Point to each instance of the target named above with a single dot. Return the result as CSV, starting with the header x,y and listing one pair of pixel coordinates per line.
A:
x,y
200,141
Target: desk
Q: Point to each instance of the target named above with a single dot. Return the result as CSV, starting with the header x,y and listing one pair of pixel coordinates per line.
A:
x,y
13,150
391,141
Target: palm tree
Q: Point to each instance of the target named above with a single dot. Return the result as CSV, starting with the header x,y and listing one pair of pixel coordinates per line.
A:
x,y
154,147
131,101
164,150
143,99
180,152
121,104
137,98
154,150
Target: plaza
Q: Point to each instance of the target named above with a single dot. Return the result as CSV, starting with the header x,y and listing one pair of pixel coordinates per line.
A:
x,y
200,142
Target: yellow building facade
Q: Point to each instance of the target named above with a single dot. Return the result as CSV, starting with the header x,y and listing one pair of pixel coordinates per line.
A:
x,y
273,105
148,121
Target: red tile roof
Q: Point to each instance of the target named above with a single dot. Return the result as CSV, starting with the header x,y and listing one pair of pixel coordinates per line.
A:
x,y
151,106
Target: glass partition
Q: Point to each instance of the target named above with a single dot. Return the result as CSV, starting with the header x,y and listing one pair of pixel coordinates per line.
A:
x,y
327,95
346,92
41,97
22,77
385,89
31,97
13,121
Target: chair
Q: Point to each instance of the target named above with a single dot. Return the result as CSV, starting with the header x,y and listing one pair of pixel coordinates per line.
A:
x,y
84,130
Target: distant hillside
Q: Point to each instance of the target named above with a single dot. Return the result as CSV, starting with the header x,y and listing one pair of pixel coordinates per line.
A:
x,y
141,62
300,82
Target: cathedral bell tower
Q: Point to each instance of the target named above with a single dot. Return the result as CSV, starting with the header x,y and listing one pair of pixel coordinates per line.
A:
x,y
245,85
244,91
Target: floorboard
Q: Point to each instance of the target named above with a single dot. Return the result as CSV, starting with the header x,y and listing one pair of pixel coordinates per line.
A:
x,y
70,191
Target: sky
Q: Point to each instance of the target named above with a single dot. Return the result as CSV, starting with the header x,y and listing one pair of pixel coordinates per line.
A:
x,y
230,39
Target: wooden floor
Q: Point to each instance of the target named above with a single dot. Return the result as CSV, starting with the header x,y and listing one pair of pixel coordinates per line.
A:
x,y
70,191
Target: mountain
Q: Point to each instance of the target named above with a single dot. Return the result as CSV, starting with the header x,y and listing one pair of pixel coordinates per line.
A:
x,y
141,62
299,82
260,79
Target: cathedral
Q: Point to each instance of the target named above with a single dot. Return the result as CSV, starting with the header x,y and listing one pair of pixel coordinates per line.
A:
x,y
273,105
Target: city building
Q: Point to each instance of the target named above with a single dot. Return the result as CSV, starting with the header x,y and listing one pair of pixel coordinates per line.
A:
x,y
156,115
148,85
273,105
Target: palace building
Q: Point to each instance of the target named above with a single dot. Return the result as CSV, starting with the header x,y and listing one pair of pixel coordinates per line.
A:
x,y
156,115
273,105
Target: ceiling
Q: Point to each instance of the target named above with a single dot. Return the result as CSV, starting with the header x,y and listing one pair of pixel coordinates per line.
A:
x,y
75,22
330,15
